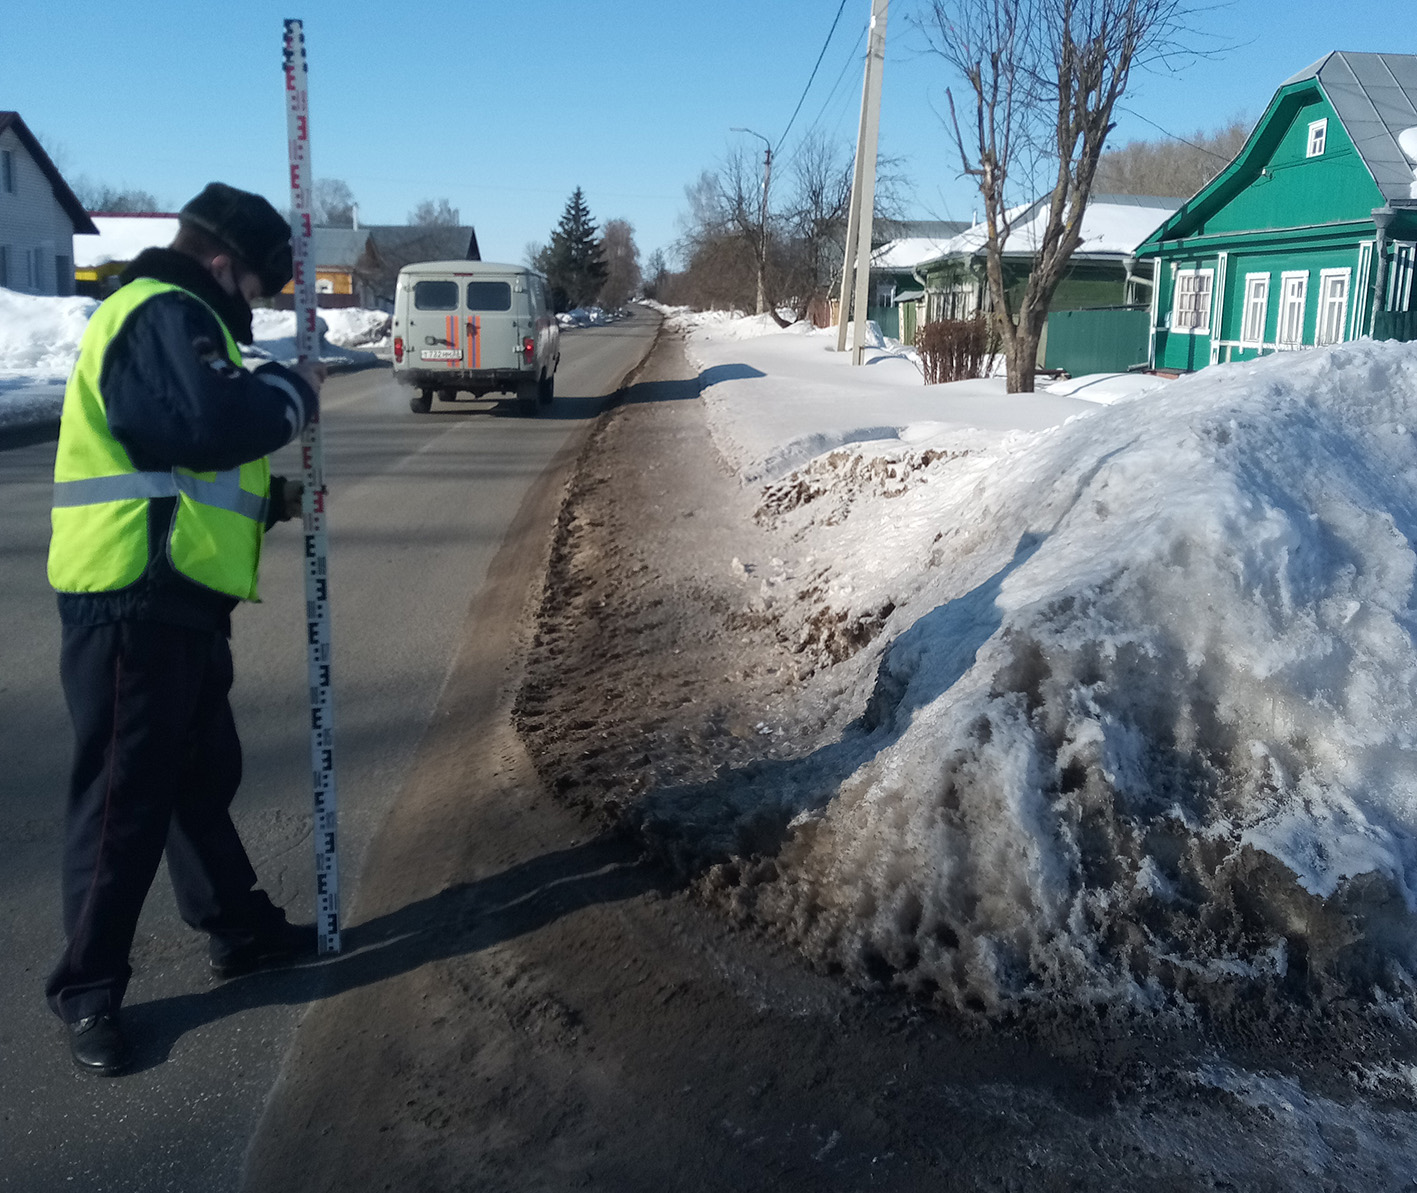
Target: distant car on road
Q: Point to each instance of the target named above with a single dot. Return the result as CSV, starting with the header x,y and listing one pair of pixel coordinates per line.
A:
x,y
475,327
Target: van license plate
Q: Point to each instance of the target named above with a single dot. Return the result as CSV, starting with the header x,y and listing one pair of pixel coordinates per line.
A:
x,y
441,354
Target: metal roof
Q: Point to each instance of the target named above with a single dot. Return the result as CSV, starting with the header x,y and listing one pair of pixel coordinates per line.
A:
x,y
1375,96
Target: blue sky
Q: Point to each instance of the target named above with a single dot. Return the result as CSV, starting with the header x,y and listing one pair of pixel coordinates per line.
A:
x,y
505,108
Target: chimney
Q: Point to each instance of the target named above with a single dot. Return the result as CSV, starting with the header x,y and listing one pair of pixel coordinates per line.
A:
x,y
354,215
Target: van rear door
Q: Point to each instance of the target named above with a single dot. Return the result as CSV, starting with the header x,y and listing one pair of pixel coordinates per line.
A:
x,y
435,320
493,331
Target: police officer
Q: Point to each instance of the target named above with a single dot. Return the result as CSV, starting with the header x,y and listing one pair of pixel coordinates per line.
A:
x,y
162,495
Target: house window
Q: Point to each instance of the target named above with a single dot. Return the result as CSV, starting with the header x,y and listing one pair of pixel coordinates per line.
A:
x,y
1256,310
1333,306
7,171
1293,296
1318,135
1191,312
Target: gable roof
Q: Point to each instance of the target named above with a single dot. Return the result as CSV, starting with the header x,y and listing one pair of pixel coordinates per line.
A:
x,y
1375,96
67,199
1112,227
339,248
431,242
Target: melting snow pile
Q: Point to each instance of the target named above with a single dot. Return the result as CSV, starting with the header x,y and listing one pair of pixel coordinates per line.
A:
x,y
1140,700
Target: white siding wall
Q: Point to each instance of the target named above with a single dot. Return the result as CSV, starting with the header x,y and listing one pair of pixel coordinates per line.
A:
x,y
31,219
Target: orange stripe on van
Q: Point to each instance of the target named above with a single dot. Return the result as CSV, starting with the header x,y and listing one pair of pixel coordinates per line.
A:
x,y
468,347
452,336
477,341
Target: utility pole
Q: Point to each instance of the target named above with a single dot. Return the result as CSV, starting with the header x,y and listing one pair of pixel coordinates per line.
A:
x,y
762,213
863,191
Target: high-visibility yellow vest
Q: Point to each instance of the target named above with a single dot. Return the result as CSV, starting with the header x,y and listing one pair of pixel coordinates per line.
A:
x,y
100,514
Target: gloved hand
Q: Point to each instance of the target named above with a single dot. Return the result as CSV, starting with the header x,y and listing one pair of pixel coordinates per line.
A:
x,y
285,498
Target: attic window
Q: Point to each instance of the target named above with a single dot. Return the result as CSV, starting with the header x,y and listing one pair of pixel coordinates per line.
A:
x,y
1318,134
7,171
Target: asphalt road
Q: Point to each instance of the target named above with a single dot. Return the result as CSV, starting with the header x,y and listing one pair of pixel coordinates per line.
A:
x,y
418,508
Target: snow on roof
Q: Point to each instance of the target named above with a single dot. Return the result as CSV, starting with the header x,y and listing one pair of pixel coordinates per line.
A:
x,y
1375,96
907,252
123,237
1112,226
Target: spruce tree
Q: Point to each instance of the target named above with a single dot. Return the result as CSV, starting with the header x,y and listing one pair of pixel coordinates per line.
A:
x,y
572,260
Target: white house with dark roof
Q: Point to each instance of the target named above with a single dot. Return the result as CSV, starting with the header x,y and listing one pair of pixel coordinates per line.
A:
x,y
39,215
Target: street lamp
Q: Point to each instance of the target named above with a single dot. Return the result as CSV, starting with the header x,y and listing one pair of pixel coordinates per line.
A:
x,y
763,213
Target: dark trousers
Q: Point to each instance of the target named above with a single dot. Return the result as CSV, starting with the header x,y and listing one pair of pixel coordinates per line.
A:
x,y
156,766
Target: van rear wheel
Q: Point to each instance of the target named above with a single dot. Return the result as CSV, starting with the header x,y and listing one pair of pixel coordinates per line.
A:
x,y
526,399
421,402
547,389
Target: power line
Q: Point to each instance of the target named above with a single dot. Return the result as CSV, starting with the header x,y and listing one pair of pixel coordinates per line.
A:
x,y
840,9
1174,137
853,59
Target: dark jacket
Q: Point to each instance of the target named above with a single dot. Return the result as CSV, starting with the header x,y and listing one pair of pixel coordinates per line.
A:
x,y
174,399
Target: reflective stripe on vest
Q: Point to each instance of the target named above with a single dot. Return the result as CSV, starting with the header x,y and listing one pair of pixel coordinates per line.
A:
x,y
225,492
100,512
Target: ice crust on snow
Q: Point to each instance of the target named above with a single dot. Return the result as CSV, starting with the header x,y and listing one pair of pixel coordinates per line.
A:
x,y
1138,707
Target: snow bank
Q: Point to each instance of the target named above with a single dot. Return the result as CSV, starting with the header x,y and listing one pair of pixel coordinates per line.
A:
x,y
340,330
39,336
1137,697
39,343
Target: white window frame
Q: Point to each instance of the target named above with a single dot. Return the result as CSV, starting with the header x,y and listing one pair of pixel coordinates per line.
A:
x,y
1202,310
1321,320
1318,138
1284,304
1256,290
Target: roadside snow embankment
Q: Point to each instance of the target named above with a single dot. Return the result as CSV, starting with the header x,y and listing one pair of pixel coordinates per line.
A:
x,y
1137,695
39,343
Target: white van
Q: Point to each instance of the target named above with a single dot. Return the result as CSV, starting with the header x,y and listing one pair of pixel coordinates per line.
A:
x,y
475,327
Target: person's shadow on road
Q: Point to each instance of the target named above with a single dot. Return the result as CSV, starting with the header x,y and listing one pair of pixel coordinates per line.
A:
x,y
460,920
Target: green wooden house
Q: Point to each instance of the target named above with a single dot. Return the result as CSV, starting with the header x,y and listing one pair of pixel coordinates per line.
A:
x,y
1309,235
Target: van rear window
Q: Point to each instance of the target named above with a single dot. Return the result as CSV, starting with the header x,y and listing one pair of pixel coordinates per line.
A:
x,y
489,296
435,296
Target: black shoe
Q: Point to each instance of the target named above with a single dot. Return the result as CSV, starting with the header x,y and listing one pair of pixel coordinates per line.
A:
x,y
281,946
99,1045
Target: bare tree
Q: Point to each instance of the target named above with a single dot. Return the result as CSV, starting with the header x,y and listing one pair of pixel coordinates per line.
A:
x,y
333,202
622,263
724,238
656,274
1174,166
99,196
434,212
1044,77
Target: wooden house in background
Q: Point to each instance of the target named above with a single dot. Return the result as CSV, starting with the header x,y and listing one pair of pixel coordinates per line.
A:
x,y
1309,236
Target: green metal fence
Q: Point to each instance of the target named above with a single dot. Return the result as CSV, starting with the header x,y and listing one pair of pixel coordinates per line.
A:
x,y
1101,340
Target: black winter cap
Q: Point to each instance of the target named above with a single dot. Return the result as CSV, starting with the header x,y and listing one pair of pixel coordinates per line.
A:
x,y
249,226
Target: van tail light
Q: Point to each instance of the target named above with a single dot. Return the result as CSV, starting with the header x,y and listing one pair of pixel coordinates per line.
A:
x,y
528,348
398,350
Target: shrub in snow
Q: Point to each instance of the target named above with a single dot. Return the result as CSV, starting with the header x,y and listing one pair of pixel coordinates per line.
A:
x,y
1145,717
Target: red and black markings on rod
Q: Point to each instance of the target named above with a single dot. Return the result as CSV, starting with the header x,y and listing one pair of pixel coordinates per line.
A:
x,y
317,596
